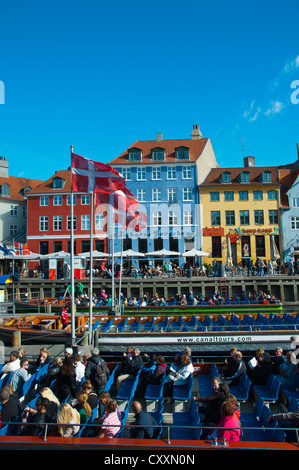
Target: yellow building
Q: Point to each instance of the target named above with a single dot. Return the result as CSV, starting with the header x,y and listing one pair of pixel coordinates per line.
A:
x,y
240,213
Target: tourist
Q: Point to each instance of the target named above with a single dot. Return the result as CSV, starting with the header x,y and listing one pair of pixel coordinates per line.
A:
x,y
83,407
68,420
12,365
92,395
228,420
36,419
98,378
20,376
79,368
111,420
287,420
52,372
43,359
232,375
278,360
155,377
210,410
288,370
65,386
10,407
263,368
144,422
131,367
178,375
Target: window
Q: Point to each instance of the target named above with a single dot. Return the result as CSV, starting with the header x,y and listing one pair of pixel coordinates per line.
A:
x,y
171,173
68,199
244,217
244,177
85,222
266,177
187,194
57,222
85,246
228,195
225,177
44,201
13,229
126,172
272,195
24,211
172,218
69,222
243,195
273,216
85,199
43,223
57,183
258,195
156,194
171,195
230,217
157,155
57,201
135,156
186,172
99,222
188,218
182,154
57,246
295,201
156,173
14,211
294,223
259,217
215,218
141,195
214,196
5,189
141,174
157,218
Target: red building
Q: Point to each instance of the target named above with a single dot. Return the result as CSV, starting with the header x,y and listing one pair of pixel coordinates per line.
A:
x,y
49,218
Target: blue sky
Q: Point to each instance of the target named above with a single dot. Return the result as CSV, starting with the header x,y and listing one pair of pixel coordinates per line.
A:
x,y
99,76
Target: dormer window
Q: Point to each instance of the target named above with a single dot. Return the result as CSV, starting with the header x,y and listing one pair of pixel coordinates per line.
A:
x,y
182,153
25,190
134,155
5,190
266,177
244,177
158,154
225,177
58,183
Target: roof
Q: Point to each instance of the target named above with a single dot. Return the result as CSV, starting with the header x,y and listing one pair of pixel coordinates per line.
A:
x,y
255,172
287,179
47,186
196,147
16,184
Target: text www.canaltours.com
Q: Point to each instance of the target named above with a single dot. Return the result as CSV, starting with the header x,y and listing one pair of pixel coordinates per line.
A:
x,y
216,339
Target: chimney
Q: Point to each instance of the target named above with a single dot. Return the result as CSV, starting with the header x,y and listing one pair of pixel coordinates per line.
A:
x,y
3,167
249,161
159,136
196,134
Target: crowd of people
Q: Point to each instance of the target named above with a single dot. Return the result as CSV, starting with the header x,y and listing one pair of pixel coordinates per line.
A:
x,y
72,391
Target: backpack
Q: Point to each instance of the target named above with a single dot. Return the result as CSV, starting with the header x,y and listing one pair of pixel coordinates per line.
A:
x,y
100,374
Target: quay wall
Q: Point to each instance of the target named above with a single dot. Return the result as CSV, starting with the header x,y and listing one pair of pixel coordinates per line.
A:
x,y
283,287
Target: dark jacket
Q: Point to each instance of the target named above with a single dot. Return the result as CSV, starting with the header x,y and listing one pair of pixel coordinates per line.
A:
x,y
65,386
90,369
132,366
233,374
11,408
144,420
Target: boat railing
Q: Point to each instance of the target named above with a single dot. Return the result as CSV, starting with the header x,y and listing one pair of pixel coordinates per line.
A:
x,y
211,438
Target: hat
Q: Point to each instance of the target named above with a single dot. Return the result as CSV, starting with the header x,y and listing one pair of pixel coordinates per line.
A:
x,y
69,351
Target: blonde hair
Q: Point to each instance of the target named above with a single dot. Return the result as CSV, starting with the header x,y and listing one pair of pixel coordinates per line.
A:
x,y
66,413
46,392
82,398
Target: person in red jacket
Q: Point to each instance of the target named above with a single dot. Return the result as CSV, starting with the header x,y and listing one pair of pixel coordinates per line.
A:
x,y
64,317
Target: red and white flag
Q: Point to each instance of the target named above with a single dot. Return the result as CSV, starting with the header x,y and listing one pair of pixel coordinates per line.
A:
x,y
21,249
90,176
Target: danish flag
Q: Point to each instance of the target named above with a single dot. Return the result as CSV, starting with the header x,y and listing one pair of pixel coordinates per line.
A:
x,y
90,176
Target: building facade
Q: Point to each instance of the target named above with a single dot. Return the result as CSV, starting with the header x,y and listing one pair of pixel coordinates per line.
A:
x,y
290,213
240,213
49,218
164,175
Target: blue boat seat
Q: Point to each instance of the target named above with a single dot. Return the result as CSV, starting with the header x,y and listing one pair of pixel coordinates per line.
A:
x,y
241,391
181,421
270,391
183,392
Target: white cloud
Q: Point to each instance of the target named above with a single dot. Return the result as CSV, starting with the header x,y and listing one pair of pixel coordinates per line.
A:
x,y
276,107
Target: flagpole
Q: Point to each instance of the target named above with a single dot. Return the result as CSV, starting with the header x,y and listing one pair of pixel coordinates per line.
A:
x,y
111,224
90,269
120,275
73,325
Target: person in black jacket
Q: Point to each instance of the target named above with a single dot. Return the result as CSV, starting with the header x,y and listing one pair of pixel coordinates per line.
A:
x,y
65,385
91,369
10,405
232,375
52,372
260,373
131,367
